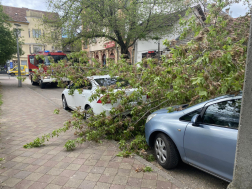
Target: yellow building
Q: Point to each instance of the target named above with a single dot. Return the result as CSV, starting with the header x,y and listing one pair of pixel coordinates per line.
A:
x,y
31,30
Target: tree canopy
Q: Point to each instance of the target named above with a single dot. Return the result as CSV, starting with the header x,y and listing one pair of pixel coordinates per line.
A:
x,y
122,21
8,44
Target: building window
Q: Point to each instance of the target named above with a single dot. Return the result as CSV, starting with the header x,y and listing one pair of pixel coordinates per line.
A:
x,y
37,48
23,62
30,49
36,33
54,35
29,33
85,45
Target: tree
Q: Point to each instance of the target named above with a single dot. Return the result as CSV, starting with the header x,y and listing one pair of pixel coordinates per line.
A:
x,y
122,21
8,44
211,64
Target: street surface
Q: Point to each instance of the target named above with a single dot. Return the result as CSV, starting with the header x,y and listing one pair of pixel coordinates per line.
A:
x,y
49,99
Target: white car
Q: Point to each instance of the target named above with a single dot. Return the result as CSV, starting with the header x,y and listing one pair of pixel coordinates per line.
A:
x,y
82,100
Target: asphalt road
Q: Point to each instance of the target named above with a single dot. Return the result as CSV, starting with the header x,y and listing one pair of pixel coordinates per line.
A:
x,y
188,175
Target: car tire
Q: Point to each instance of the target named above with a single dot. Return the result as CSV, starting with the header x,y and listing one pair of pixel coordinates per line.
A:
x,y
12,74
87,115
42,84
166,151
64,103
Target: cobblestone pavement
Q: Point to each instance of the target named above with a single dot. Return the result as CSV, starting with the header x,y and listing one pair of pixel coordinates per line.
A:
x,y
26,115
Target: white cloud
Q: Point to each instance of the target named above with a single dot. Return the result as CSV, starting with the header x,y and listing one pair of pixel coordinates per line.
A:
x,y
31,4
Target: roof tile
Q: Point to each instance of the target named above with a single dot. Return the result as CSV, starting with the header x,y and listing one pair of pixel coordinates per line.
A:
x,y
19,14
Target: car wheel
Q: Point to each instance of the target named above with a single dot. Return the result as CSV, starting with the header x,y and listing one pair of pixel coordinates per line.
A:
x,y
87,116
12,74
42,84
166,151
64,103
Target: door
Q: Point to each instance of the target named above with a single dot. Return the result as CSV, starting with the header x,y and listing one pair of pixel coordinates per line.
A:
x,y
212,144
70,98
81,99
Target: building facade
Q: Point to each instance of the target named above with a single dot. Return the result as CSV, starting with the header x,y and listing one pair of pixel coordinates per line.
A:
x,y
149,48
102,51
30,30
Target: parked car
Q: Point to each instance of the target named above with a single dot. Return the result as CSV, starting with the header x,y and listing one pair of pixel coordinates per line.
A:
x,y
203,135
82,100
23,70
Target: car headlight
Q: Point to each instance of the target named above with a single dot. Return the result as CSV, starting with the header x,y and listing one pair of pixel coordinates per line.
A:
x,y
150,117
47,77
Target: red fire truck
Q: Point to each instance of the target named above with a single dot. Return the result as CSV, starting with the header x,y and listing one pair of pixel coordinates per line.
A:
x,y
34,63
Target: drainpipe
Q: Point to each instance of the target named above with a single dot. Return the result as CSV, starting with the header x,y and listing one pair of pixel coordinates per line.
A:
x,y
135,47
158,50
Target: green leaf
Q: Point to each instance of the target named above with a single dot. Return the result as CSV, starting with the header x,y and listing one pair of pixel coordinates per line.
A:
x,y
203,93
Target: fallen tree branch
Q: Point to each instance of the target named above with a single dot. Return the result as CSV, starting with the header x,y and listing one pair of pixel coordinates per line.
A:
x,y
150,110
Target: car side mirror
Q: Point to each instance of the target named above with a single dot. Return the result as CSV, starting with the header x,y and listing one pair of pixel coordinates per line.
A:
x,y
195,120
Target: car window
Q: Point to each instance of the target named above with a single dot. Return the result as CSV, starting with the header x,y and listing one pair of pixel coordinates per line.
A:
x,y
31,59
188,117
105,82
225,114
86,87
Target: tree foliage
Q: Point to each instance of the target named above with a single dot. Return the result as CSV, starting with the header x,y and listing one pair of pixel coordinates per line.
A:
x,y
8,44
210,65
122,21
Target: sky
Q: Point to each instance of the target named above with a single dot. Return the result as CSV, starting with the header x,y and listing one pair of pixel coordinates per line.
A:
x,y
31,4
236,10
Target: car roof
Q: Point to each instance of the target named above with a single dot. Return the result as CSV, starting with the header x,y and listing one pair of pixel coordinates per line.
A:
x,y
202,104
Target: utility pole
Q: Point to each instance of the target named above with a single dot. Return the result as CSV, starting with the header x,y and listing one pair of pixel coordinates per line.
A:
x,y
19,71
243,159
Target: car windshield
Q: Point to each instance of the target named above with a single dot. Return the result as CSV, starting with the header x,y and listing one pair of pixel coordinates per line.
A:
x,y
55,58
105,82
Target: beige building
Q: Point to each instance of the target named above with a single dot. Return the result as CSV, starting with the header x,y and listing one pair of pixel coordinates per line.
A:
x,y
31,30
102,50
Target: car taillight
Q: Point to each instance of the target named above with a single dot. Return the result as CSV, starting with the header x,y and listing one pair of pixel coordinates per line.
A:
x,y
100,101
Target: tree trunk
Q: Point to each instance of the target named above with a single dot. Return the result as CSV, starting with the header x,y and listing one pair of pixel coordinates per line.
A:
x,y
124,51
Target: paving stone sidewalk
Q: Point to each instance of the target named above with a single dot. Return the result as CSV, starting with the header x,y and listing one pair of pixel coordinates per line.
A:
x,y
26,115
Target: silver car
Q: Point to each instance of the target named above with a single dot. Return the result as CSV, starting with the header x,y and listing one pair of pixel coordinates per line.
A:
x,y
203,135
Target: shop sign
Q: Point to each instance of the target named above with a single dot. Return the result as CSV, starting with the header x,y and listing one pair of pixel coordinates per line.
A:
x,y
109,44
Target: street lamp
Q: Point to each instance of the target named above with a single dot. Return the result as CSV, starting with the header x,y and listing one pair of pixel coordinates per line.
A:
x,y
19,71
